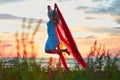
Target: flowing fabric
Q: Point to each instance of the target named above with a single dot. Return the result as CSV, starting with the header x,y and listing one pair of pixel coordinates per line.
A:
x,y
66,38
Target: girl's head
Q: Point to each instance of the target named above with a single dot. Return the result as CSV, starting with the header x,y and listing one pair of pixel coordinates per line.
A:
x,y
53,15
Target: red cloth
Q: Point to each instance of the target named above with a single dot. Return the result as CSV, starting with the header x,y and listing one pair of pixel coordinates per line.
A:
x,y
66,38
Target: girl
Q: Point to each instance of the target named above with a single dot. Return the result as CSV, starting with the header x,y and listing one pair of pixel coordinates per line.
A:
x,y
52,44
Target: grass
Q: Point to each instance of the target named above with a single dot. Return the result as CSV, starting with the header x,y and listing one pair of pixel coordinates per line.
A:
x,y
102,66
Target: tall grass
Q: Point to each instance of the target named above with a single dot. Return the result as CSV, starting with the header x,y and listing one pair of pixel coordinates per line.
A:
x,y
102,66
22,71
25,40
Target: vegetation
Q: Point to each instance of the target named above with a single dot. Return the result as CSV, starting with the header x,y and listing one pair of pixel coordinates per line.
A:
x,y
101,66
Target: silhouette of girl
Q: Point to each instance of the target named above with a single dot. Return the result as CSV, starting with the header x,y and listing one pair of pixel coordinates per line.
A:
x,y
53,43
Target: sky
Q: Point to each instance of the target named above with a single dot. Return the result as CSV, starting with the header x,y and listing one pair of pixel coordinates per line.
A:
x,y
88,20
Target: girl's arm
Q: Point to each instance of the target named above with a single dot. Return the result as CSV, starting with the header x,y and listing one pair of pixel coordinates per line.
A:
x,y
49,8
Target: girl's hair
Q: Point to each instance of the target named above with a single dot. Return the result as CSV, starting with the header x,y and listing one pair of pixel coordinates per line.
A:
x,y
55,17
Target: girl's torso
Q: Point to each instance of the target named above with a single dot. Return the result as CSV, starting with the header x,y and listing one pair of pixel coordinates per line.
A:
x,y
51,28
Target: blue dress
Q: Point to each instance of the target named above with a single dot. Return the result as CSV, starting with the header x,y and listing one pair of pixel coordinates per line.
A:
x,y
52,41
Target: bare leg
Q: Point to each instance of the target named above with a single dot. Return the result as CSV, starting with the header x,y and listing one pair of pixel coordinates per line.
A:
x,y
61,50
64,62
62,58
57,51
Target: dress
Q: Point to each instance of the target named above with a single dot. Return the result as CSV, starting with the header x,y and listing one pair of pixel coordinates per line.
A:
x,y
52,41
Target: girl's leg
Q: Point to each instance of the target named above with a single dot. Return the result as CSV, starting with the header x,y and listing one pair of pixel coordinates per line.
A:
x,y
57,51
62,57
62,50
64,62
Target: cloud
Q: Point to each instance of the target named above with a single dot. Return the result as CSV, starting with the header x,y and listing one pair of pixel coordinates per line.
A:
x,y
118,21
91,18
8,16
113,34
116,18
109,30
81,7
8,1
115,30
113,8
12,17
102,7
102,30
91,37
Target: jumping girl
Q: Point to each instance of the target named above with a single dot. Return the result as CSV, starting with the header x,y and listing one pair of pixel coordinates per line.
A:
x,y
52,45
58,32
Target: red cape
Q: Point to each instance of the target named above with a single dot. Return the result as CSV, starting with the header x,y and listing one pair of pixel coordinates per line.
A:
x,y
67,39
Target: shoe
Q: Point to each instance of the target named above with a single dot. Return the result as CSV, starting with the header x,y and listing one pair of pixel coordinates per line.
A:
x,y
67,52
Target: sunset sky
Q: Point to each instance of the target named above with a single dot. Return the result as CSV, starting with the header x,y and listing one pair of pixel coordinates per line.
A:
x,y
88,20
